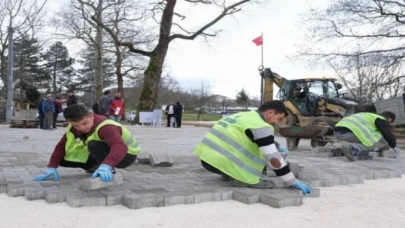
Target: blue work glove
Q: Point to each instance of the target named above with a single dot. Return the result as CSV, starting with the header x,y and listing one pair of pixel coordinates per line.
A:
x,y
104,172
283,150
48,173
303,187
395,149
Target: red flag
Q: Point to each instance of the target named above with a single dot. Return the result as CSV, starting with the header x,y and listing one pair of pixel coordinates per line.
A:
x,y
258,41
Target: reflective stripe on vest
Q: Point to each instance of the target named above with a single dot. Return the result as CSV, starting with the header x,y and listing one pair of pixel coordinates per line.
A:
x,y
369,134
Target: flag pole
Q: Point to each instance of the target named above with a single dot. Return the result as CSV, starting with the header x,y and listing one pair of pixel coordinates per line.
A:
x,y
262,78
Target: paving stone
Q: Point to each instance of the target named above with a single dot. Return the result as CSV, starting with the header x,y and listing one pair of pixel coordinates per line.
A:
x,y
143,157
207,196
390,154
97,183
115,197
36,193
309,175
247,196
226,194
380,175
58,195
137,201
15,190
161,159
177,197
79,199
279,199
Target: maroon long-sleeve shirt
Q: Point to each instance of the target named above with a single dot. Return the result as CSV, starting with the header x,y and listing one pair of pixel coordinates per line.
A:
x,y
109,133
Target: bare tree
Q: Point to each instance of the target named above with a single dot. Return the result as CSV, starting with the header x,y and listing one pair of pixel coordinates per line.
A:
x,y
120,15
202,96
25,17
168,18
367,38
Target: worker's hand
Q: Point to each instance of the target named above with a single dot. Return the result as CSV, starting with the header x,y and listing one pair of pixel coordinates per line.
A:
x,y
303,187
104,172
396,150
283,150
48,173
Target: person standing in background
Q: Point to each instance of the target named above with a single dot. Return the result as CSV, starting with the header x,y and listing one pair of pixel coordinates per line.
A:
x,y
178,112
41,113
48,109
72,99
169,111
117,107
58,109
104,104
95,108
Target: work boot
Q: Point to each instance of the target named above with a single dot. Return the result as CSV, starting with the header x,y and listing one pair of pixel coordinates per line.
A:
x,y
263,184
364,155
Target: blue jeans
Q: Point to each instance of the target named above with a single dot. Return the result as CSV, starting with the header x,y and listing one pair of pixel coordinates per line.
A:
x,y
115,118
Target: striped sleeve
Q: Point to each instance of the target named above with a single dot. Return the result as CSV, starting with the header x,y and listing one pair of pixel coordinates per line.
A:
x,y
264,138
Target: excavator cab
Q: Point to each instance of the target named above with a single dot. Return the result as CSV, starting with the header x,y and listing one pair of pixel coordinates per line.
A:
x,y
305,94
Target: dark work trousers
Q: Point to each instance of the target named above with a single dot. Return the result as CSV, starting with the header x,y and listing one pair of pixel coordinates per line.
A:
x,y
178,121
98,152
41,120
55,117
169,116
210,168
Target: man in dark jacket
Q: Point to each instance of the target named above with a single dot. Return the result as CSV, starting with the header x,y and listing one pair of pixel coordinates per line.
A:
x,y
72,99
41,113
104,104
178,112
365,132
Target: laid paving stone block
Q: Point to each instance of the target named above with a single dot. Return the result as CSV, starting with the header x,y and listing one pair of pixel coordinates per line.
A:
x,y
176,198
58,195
143,157
115,197
79,199
226,194
394,174
295,168
280,199
380,175
15,190
149,190
137,201
390,154
161,159
309,175
96,183
36,193
247,196
207,196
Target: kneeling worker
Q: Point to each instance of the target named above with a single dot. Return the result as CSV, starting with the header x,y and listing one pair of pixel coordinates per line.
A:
x,y
365,132
93,143
239,146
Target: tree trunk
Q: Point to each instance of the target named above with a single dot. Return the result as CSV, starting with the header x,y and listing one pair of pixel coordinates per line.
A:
x,y
153,73
3,72
118,72
99,54
54,78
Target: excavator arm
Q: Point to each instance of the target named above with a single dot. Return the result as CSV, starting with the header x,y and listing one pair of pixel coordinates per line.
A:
x,y
269,78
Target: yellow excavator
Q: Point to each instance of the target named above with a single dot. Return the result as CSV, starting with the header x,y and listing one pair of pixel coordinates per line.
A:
x,y
314,107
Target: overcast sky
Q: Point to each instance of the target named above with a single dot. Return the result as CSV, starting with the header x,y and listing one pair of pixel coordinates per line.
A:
x,y
230,61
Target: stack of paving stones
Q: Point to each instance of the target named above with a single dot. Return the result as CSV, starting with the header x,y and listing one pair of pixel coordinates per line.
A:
x,y
171,180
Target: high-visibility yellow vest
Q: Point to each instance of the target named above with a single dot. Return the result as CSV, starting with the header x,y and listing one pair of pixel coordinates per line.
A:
x,y
76,150
227,148
363,126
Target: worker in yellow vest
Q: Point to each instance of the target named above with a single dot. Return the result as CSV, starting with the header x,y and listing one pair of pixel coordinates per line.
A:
x,y
239,146
93,143
366,132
